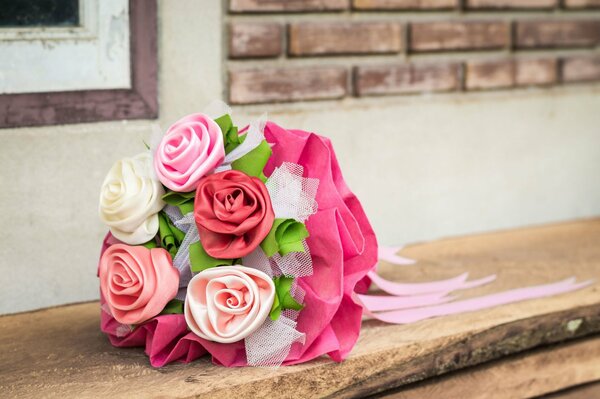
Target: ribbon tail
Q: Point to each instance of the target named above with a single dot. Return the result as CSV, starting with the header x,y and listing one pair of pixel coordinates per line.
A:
x,y
442,286
388,254
479,303
376,303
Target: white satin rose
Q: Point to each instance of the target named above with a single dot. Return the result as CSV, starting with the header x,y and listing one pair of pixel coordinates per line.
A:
x,y
228,303
130,199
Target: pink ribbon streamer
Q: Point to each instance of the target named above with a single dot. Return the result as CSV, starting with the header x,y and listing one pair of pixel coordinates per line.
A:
x,y
376,303
442,286
389,254
412,302
405,316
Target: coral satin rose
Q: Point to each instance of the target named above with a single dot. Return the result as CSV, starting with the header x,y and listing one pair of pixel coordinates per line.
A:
x,y
137,282
227,303
233,213
191,148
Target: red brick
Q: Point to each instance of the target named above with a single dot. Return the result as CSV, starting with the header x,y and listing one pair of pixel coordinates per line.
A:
x,y
255,40
405,4
536,72
581,69
496,74
287,5
316,38
287,84
582,3
558,33
407,78
511,4
482,75
440,36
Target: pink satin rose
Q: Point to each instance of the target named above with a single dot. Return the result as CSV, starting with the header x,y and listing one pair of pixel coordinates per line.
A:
x,y
227,303
233,214
191,148
137,282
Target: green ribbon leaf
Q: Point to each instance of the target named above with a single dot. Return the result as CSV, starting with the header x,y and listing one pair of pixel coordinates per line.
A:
x,y
174,306
200,260
231,138
283,298
255,161
150,244
285,236
170,236
184,201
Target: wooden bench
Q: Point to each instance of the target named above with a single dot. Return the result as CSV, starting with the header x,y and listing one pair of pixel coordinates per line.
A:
x,y
525,349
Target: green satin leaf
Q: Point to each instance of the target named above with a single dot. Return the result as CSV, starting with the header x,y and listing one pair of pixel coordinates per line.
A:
x,y
175,198
174,306
150,244
184,201
275,309
269,244
186,207
254,162
283,298
231,138
224,122
290,235
285,236
170,236
200,260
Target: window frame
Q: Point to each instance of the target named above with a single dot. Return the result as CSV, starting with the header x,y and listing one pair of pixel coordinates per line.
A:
x,y
138,102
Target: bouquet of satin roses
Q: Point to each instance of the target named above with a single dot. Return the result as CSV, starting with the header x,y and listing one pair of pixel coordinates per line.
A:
x,y
245,244
248,245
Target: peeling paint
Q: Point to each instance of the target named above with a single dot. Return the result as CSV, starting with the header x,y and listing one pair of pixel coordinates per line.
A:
x,y
117,32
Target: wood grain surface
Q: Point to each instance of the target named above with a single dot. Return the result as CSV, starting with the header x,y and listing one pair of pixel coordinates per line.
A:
x,y
526,375
61,352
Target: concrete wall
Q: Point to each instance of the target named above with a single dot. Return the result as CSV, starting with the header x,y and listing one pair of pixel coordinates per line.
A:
x,y
423,166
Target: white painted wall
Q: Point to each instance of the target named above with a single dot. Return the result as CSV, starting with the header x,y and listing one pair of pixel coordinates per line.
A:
x,y
424,167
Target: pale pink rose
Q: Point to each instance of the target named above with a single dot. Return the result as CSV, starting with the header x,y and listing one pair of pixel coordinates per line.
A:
x,y
227,303
137,282
191,149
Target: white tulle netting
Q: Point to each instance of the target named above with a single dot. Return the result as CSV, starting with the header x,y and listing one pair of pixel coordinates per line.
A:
x,y
187,224
292,196
271,343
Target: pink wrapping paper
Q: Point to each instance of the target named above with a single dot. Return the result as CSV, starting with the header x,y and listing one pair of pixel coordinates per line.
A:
x,y
343,248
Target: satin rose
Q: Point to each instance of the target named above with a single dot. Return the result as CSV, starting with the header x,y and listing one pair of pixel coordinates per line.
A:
x,y
228,303
130,198
233,213
137,282
191,148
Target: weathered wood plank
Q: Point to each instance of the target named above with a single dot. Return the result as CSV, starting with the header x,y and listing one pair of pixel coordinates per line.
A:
x,y
578,392
526,375
61,352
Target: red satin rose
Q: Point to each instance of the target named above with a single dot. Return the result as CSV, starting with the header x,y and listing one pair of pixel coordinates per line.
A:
x,y
233,213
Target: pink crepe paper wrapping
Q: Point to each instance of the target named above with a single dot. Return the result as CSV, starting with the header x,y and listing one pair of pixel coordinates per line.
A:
x,y
343,248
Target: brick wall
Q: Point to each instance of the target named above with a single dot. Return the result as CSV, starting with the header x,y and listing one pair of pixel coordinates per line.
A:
x,y
295,50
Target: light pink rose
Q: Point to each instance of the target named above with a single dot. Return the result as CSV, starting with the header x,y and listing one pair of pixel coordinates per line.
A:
x,y
137,282
191,148
227,303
